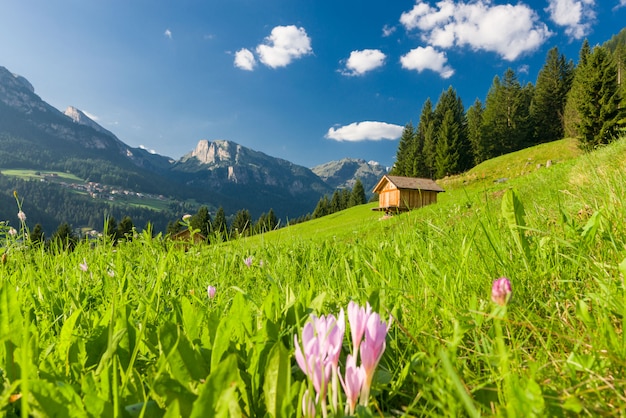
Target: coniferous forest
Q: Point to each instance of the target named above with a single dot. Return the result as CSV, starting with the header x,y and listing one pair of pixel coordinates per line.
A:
x,y
586,100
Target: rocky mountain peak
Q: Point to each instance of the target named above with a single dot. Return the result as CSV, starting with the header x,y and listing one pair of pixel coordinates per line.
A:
x,y
216,152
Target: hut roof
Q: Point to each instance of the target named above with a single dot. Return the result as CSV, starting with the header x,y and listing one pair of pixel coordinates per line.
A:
x,y
412,183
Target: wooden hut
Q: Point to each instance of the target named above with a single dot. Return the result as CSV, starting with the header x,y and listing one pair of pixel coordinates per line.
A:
x,y
185,236
397,193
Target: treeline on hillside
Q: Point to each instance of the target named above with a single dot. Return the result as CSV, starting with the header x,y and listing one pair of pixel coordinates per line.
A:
x,y
51,206
585,101
220,229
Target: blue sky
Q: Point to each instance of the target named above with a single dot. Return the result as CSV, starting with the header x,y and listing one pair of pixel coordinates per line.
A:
x,y
309,81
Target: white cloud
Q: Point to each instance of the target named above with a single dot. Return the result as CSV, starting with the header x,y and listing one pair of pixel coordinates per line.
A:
x,y
245,60
575,15
363,131
284,44
389,30
363,61
151,151
168,33
91,116
622,3
427,58
508,30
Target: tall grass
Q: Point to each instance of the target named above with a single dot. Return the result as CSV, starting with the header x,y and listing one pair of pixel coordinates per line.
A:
x,y
135,333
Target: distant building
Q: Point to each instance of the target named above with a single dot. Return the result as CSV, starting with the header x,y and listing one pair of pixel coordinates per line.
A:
x,y
397,193
185,236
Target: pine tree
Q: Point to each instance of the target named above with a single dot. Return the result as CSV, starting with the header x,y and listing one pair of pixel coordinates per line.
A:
x,y
37,235
63,239
548,105
449,101
404,154
600,100
220,226
322,208
242,223
474,118
201,221
447,156
424,143
125,228
571,120
506,118
357,197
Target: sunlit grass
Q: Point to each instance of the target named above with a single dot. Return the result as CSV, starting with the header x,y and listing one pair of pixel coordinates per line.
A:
x,y
136,334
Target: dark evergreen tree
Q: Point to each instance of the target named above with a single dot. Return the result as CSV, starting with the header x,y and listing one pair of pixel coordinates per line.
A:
x,y
506,119
242,224
547,110
447,156
575,96
423,162
37,235
449,101
201,221
173,227
404,154
63,239
322,208
220,225
110,228
474,119
600,100
335,202
125,228
357,197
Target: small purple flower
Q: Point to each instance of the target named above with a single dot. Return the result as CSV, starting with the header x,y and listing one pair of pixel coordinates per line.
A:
x,y
372,349
83,266
501,291
248,261
357,316
352,383
308,406
21,216
211,291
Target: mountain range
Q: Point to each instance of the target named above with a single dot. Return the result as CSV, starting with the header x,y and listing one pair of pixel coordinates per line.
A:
x,y
36,136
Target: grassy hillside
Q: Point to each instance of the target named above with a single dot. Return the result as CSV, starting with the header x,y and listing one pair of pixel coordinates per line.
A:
x,y
130,330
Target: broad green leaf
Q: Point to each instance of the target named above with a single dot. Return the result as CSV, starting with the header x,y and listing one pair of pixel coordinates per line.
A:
x,y
67,337
277,379
219,395
186,364
514,214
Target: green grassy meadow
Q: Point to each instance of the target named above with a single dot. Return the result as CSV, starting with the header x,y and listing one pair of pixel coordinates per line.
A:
x,y
129,330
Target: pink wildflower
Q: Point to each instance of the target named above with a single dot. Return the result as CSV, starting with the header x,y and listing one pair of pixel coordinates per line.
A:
x,y
372,349
352,383
21,216
248,261
357,316
83,266
211,290
501,291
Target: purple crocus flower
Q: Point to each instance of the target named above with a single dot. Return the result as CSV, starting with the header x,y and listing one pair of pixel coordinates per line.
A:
x,y
352,383
501,291
83,266
211,290
372,349
248,261
318,357
357,316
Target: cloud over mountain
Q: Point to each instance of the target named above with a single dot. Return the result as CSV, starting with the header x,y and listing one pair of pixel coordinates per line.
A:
x,y
364,131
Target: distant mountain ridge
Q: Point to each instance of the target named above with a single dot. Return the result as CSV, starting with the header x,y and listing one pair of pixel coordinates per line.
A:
x,y
343,173
35,135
